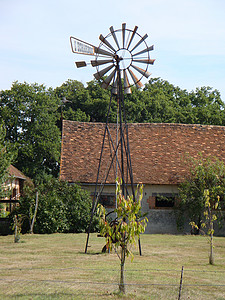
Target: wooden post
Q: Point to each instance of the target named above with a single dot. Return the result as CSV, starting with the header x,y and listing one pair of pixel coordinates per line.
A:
x,y
139,244
35,213
181,281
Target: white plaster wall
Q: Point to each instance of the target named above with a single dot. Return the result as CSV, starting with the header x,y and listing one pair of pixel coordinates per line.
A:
x,y
161,221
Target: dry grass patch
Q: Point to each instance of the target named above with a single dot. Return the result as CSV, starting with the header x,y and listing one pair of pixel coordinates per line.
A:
x,y
55,267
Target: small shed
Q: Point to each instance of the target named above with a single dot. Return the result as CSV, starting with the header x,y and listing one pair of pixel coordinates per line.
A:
x,y
15,184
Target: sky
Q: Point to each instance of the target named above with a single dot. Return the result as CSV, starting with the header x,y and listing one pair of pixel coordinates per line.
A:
x,y
188,38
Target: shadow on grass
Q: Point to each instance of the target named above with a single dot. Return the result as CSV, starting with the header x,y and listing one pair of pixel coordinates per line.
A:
x,y
91,253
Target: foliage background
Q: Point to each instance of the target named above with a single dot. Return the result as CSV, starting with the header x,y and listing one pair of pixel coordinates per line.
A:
x,y
61,208
6,157
205,174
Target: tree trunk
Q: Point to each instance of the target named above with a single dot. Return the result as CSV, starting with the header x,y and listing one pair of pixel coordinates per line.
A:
x,y
211,255
123,256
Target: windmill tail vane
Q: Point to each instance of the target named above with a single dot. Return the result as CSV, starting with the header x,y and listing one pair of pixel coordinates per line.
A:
x,y
122,50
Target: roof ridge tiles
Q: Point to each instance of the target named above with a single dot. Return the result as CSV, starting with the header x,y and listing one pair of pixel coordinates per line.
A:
x,y
147,124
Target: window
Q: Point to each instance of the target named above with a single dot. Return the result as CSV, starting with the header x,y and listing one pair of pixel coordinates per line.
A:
x,y
108,200
164,200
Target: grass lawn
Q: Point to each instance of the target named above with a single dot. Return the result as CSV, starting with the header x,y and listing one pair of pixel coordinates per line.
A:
x,y
55,267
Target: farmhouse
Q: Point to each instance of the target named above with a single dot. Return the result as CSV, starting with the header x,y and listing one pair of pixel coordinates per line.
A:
x,y
158,155
15,185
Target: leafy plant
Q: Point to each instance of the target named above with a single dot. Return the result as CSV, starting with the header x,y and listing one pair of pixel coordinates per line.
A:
x,y
205,174
61,207
123,232
29,112
17,226
6,157
211,204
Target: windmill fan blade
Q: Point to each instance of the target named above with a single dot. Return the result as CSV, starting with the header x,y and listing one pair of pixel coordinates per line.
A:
x,y
106,82
101,37
145,50
96,63
114,36
140,70
127,89
101,73
123,32
103,52
135,79
133,34
141,41
80,64
145,61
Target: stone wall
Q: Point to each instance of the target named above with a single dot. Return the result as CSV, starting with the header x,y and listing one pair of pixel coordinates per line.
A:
x,y
162,221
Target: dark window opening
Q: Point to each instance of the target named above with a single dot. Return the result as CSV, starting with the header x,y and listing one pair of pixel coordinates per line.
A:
x,y
21,184
164,200
108,200
14,193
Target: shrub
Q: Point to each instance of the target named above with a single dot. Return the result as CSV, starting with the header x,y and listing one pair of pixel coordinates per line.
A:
x,y
61,207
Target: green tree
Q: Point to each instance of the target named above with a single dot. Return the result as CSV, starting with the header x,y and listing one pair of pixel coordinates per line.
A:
x,y
123,232
5,160
208,108
78,205
209,217
166,103
76,95
30,116
61,207
135,106
204,174
86,104
98,103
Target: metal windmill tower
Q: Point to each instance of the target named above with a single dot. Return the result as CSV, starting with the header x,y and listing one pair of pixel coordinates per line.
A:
x,y
121,61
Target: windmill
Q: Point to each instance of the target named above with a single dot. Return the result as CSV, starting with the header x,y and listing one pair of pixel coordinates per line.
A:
x,y
121,61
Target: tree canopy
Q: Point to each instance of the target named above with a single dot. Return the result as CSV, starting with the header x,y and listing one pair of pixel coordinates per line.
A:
x,y
29,112
61,208
158,102
5,159
205,175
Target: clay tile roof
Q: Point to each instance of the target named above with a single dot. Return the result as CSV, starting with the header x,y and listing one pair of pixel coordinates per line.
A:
x,y
157,150
13,171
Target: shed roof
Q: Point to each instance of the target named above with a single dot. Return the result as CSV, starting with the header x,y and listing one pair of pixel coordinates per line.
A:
x,y
157,150
13,171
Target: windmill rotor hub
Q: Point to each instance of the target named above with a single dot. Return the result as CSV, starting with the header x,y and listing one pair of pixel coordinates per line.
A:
x,y
125,58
